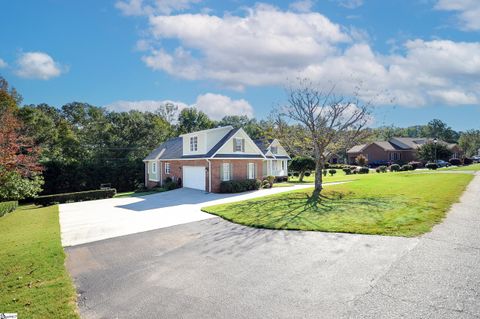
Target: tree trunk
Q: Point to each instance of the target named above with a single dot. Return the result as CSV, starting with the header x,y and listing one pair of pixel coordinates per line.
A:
x,y
318,178
300,177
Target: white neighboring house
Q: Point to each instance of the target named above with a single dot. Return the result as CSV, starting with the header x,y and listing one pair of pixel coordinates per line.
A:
x,y
203,159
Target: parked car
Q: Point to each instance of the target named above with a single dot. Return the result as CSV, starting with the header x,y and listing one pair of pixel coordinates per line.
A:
x,y
476,158
442,163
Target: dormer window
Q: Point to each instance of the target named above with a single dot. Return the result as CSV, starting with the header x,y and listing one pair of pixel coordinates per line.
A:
x,y
193,144
274,149
239,145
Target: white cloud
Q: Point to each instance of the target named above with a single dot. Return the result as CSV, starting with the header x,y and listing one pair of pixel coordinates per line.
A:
x,y
302,5
468,12
216,106
37,65
267,46
265,42
3,64
350,4
149,7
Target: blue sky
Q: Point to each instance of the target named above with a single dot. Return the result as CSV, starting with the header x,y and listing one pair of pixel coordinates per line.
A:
x,y
421,58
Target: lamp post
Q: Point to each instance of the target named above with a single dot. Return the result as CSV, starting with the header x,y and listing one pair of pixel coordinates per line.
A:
x,y
435,142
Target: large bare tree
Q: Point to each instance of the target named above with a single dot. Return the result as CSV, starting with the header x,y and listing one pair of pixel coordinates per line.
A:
x,y
320,121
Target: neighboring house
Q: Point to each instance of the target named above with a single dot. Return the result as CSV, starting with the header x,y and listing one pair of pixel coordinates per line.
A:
x,y
395,150
202,160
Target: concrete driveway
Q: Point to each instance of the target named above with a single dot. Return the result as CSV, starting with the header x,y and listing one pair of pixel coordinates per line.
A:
x,y
216,269
90,221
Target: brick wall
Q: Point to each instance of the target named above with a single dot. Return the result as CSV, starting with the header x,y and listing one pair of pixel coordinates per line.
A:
x,y
239,170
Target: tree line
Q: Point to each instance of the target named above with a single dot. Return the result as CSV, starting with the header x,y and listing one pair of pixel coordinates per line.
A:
x,y
47,149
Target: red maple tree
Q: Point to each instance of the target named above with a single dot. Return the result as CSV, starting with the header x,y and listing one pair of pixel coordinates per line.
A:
x,y
17,152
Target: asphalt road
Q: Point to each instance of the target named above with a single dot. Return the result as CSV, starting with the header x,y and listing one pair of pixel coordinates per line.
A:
x,y
216,269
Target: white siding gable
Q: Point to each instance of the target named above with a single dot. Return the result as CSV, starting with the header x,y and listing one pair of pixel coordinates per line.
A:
x,y
250,147
280,150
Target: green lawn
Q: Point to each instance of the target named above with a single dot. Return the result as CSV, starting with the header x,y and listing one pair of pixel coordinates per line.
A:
x,y
473,167
397,204
33,279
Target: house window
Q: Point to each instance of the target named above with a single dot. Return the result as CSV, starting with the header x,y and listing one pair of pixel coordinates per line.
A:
x,y
238,145
395,156
226,172
167,168
193,144
274,149
154,168
251,171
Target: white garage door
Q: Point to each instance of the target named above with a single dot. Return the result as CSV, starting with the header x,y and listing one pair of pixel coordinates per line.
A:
x,y
194,177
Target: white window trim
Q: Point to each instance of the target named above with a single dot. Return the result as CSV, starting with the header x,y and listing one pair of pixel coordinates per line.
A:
x,y
251,171
194,143
226,168
242,143
167,168
154,168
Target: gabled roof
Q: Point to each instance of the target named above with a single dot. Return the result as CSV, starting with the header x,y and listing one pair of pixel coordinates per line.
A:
x,y
263,144
357,148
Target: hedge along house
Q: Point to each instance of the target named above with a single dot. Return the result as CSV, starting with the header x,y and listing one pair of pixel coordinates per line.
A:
x,y
203,159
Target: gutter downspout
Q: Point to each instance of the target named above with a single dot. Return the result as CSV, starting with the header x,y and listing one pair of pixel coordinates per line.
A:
x,y
209,176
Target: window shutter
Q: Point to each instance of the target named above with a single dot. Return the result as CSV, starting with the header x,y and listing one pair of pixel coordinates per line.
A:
x,y
231,171
221,172
254,170
248,170
234,144
243,145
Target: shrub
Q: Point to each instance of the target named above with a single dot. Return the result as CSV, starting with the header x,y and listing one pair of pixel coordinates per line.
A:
x,y
337,166
406,167
347,170
168,180
467,161
363,170
324,172
281,179
266,184
433,166
455,161
241,185
74,197
307,174
140,187
361,160
381,169
270,179
296,174
332,172
171,185
394,168
415,164
289,174
7,207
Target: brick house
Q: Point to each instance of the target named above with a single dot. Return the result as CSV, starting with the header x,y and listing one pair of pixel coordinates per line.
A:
x,y
203,159
395,150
